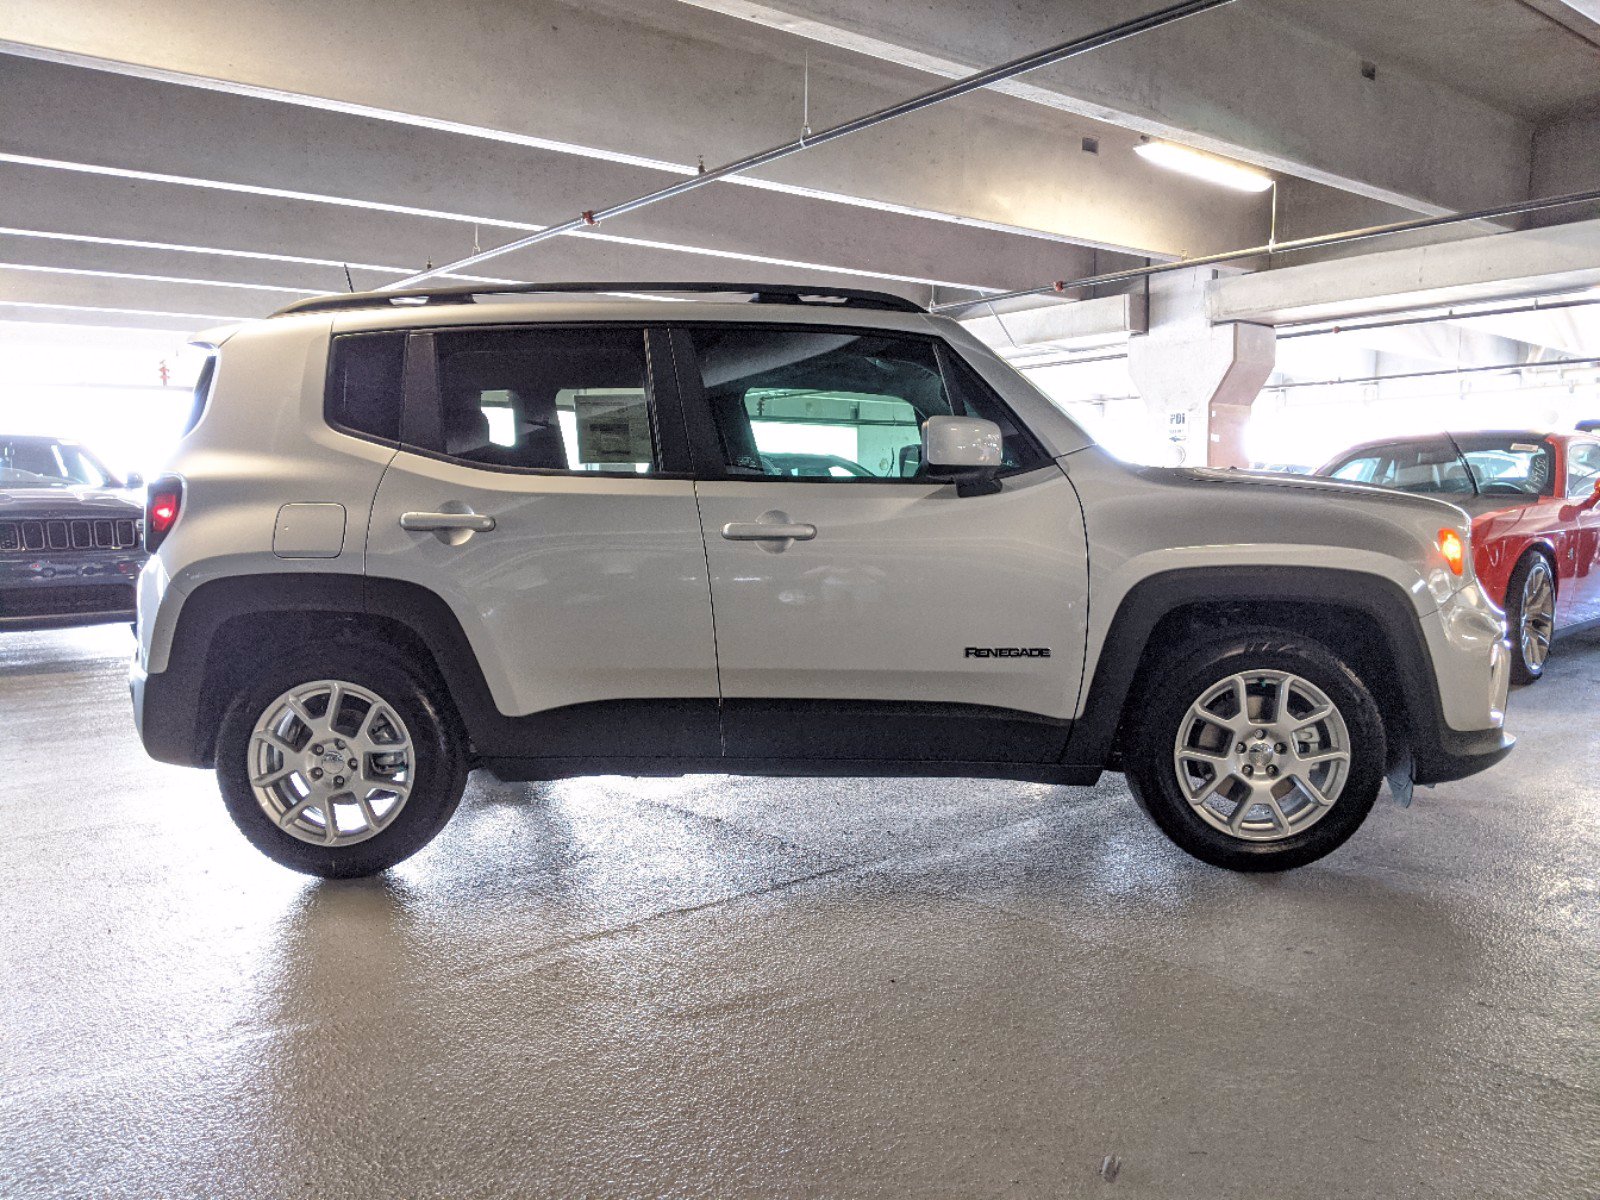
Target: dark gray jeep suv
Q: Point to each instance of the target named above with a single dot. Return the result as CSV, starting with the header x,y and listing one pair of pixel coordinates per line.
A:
x,y
70,545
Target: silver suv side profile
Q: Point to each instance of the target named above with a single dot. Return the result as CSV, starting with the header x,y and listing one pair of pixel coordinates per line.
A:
x,y
547,532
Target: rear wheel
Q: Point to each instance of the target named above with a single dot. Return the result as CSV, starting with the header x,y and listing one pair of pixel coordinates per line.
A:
x,y
339,764
1531,616
1259,751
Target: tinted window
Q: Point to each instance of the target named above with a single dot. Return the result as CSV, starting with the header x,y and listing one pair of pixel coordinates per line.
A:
x,y
1583,469
548,399
817,403
365,384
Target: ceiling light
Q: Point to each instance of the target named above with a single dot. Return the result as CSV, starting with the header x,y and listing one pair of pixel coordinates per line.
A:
x,y
1203,166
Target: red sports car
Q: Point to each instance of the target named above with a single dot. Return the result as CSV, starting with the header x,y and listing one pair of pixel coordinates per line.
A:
x,y
1534,499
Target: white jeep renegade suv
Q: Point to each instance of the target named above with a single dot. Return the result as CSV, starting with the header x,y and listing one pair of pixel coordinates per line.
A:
x,y
767,532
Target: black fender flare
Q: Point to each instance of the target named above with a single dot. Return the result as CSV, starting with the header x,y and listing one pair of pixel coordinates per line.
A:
x,y
181,705
1438,752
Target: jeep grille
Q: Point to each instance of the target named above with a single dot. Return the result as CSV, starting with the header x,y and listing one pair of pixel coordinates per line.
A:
x,y
68,534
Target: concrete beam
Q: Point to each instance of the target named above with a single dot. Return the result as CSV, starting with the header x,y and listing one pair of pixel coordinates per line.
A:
x,y
1581,17
1560,332
1566,158
1295,100
1532,262
127,301
95,119
1085,324
677,84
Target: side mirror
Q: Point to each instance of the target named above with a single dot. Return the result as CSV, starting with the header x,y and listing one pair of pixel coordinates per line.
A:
x,y
133,480
965,451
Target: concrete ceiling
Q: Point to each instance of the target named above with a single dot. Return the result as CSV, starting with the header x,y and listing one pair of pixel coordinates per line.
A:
x,y
218,158
1536,59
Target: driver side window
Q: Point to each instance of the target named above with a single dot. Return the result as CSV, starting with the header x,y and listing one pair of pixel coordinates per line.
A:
x,y
826,404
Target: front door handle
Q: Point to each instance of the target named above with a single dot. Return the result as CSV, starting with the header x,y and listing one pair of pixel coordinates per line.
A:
x,y
772,530
445,522
754,531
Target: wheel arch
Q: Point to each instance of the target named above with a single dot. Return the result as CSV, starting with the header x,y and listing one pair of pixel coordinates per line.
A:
x,y
1366,620
228,627
1545,548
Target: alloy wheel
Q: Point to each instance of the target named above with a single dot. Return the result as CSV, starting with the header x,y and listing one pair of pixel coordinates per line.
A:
x,y
1538,612
331,763
1262,755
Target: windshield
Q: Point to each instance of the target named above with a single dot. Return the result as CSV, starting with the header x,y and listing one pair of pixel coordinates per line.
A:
x,y
45,463
1487,464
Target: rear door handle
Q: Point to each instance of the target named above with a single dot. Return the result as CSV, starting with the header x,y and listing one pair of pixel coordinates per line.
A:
x,y
756,531
444,522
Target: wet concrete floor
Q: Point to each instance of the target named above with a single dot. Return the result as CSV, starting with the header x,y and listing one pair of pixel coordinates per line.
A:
x,y
722,987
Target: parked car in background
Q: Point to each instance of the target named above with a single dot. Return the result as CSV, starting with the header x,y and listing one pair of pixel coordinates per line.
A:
x,y
70,549
1534,499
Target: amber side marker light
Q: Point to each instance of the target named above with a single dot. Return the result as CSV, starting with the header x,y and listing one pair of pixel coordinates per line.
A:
x,y
1453,549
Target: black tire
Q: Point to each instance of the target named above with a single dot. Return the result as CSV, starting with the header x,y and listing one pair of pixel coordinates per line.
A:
x,y
1522,670
440,760
1162,705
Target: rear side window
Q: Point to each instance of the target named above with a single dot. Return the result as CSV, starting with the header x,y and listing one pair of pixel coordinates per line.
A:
x,y
365,384
548,399
825,404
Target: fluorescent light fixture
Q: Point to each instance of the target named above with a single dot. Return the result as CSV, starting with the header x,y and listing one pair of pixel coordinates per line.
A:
x,y
1203,166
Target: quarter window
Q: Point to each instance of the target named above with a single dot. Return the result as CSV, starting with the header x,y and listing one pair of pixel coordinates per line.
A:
x,y
364,392
826,404
547,399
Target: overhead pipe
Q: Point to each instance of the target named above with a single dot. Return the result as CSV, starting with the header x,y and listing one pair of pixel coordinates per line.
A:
x,y
1297,329
971,83
1307,243
1534,366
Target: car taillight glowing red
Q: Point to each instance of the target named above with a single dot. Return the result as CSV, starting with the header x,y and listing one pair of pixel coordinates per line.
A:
x,y
163,505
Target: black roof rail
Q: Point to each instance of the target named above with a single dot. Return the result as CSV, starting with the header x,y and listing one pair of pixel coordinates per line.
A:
x,y
759,293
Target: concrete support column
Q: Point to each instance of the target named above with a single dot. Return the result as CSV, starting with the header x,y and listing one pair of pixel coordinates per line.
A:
x,y
1199,379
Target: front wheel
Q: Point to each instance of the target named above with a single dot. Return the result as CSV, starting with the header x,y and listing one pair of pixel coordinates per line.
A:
x,y
1259,751
339,764
1531,616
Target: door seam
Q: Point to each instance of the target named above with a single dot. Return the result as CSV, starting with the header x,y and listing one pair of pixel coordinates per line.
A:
x,y
372,515
711,601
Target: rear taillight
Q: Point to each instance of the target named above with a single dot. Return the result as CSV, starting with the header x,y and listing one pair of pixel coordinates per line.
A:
x,y
163,505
